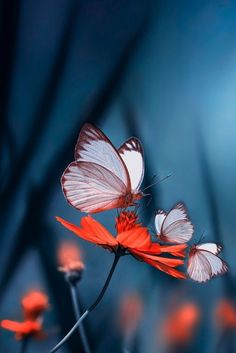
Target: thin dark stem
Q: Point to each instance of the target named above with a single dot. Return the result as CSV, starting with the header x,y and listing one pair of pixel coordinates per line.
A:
x,y
91,308
99,298
77,315
24,345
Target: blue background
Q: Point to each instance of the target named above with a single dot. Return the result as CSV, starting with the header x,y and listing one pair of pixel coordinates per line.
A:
x,y
164,71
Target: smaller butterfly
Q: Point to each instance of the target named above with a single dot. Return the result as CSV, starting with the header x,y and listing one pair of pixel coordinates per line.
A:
x,y
204,262
174,226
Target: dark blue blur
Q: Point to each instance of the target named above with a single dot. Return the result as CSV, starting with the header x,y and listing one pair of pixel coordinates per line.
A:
x,y
164,71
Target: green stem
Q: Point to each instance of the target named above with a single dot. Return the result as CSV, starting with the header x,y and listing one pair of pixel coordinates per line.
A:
x,y
92,307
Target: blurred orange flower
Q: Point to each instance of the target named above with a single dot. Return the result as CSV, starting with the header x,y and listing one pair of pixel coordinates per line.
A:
x,y
34,304
179,327
225,314
24,329
69,257
132,239
130,312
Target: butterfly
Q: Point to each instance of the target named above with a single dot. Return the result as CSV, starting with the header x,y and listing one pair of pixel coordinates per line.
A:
x,y
204,262
102,177
174,226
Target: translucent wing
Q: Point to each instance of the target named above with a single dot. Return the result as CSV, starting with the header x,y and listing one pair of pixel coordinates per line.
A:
x,y
199,269
94,147
131,153
203,265
176,227
212,247
159,219
90,187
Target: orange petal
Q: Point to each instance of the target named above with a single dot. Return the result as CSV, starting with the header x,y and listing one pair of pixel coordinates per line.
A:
x,y
153,249
164,268
12,325
91,230
34,303
138,237
165,260
22,328
175,250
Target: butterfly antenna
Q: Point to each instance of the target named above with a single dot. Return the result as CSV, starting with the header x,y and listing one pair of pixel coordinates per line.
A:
x,y
201,237
157,181
150,199
137,206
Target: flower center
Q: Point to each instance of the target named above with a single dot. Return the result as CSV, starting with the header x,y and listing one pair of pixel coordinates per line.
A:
x,y
126,221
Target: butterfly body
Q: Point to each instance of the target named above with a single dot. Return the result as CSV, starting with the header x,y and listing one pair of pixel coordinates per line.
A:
x,y
102,177
130,199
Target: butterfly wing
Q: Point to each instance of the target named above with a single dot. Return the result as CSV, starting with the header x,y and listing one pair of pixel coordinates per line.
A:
x,y
90,187
176,227
203,265
158,221
98,180
131,153
95,147
212,247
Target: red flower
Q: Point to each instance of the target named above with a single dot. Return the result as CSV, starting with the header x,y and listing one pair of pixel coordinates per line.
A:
x,y
34,304
132,238
24,329
179,327
225,314
69,258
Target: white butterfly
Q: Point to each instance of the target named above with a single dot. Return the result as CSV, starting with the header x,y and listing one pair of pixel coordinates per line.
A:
x,y
203,263
174,226
102,177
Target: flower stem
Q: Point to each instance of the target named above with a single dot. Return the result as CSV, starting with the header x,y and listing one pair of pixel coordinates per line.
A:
x,y
24,345
127,343
92,307
77,315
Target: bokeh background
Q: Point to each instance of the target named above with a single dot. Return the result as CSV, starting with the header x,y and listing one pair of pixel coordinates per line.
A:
x,y
164,71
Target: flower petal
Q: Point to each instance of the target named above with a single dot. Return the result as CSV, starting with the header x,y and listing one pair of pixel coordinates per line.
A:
x,y
175,250
22,328
164,268
12,325
91,230
165,260
137,237
153,249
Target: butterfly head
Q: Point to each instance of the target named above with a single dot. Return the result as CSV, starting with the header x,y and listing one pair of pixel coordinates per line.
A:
x,y
193,249
138,196
131,198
